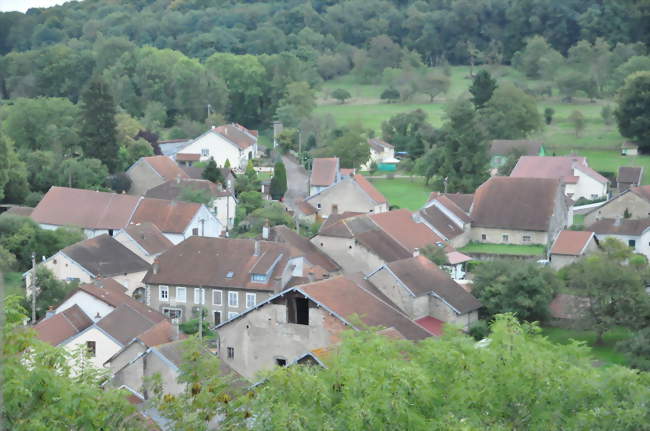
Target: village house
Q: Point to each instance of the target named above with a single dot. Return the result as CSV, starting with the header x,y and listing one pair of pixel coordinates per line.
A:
x,y
354,193
500,149
421,289
447,214
196,173
151,171
170,147
325,172
73,329
99,257
579,179
628,176
382,154
144,239
223,203
633,203
633,232
571,245
629,149
100,213
311,316
232,142
305,212
315,256
234,274
513,210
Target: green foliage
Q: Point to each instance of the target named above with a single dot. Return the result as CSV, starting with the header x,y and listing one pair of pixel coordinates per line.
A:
x,y
479,330
510,113
250,201
82,174
349,144
288,140
537,59
511,161
572,82
98,126
435,254
120,182
390,95
578,121
607,114
482,88
191,327
637,349
341,95
5,150
433,83
279,181
633,112
42,391
409,132
212,172
200,196
517,287
51,292
297,104
548,115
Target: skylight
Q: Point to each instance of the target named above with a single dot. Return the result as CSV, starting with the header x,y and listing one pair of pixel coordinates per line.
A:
x,y
230,274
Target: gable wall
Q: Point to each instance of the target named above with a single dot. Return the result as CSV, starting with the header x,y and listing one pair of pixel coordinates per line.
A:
x,y
218,148
639,208
66,269
125,239
104,346
588,187
351,257
128,354
88,304
393,289
346,194
143,178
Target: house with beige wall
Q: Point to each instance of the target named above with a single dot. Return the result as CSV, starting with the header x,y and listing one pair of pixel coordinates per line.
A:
x,y
571,245
633,203
144,239
354,193
303,318
447,215
148,172
325,172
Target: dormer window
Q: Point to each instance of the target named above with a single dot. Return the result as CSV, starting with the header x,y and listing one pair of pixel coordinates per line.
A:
x,y
259,278
230,274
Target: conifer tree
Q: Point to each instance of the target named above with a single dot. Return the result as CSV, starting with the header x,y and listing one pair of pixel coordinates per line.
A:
x,y
212,172
98,125
482,88
279,181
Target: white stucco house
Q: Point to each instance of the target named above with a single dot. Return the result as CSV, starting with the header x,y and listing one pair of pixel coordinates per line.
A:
x,y
231,142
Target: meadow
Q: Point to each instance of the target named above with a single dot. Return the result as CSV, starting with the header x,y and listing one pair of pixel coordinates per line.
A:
x,y
598,141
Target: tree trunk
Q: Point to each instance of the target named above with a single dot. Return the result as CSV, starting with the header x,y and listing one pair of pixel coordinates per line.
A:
x,y
599,337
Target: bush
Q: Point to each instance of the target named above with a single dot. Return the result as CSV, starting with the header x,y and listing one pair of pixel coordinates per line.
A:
x,y
479,330
341,95
119,182
390,95
585,201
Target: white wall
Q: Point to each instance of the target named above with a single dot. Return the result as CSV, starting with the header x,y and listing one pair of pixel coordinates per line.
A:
x,y
105,347
211,228
88,304
219,149
66,269
225,210
588,187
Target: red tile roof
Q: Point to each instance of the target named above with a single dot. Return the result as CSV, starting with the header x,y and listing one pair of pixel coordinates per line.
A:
x,y
188,157
305,207
370,190
58,328
462,200
323,171
149,237
559,167
432,325
399,224
237,134
169,216
642,192
571,242
89,209
165,167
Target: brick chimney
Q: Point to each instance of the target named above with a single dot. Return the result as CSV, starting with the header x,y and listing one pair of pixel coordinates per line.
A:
x,y
156,266
335,209
256,251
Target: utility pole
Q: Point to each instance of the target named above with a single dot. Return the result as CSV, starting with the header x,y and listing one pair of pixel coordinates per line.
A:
x,y
33,283
300,141
209,107
201,313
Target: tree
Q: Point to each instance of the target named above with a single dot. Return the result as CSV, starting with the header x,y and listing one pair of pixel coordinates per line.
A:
x,y
482,88
633,112
98,126
120,182
349,144
250,201
510,113
341,95
297,104
279,181
51,291
548,115
408,132
637,349
525,289
5,150
433,83
578,121
82,174
607,114
390,95
512,158
572,82
41,390
614,291
435,254
531,59
212,172
250,172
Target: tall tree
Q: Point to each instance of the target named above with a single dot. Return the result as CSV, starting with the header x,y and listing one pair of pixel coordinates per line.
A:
x,y
212,172
482,88
510,113
408,131
279,181
633,113
5,151
98,125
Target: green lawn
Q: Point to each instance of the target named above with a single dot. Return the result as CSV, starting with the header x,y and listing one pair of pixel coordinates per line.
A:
x,y
504,249
578,219
404,192
606,353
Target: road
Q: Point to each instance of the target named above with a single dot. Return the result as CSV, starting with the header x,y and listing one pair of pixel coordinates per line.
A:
x,y
297,182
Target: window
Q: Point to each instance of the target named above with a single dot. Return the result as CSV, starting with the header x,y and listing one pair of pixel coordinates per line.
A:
x,y
181,294
173,313
217,317
298,311
526,238
260,278
216,297
281,362
233,299
110,232
504,238
91,348
205,152
318,206
163,293
251,299
631,242
483,237
231,353
230,274
197,296
232,314
195,231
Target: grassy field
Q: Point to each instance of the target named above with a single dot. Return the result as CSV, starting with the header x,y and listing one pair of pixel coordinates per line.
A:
x,y
598,142
606,353
504,249
403,192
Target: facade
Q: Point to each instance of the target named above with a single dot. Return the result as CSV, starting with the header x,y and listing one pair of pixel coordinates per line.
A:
x,y
303,318
633,232
633,204
151,171
144,239
354,194
421,289
382,154
325,172
232,142
446,218
570,246
579,179
513,210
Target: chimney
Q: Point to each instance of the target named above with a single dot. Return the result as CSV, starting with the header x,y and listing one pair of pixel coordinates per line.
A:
x,y
257,248
416,252
266,230
156,266
335,209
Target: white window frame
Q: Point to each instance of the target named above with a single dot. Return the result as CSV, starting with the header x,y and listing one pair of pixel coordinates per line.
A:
x,y
177,296
164,289
205,152
234,304
180,311
197,296
258,278
232,314
214,295
250,304
526,238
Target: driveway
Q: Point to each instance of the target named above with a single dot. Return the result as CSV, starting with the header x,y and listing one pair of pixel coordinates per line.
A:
x,y
297,182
